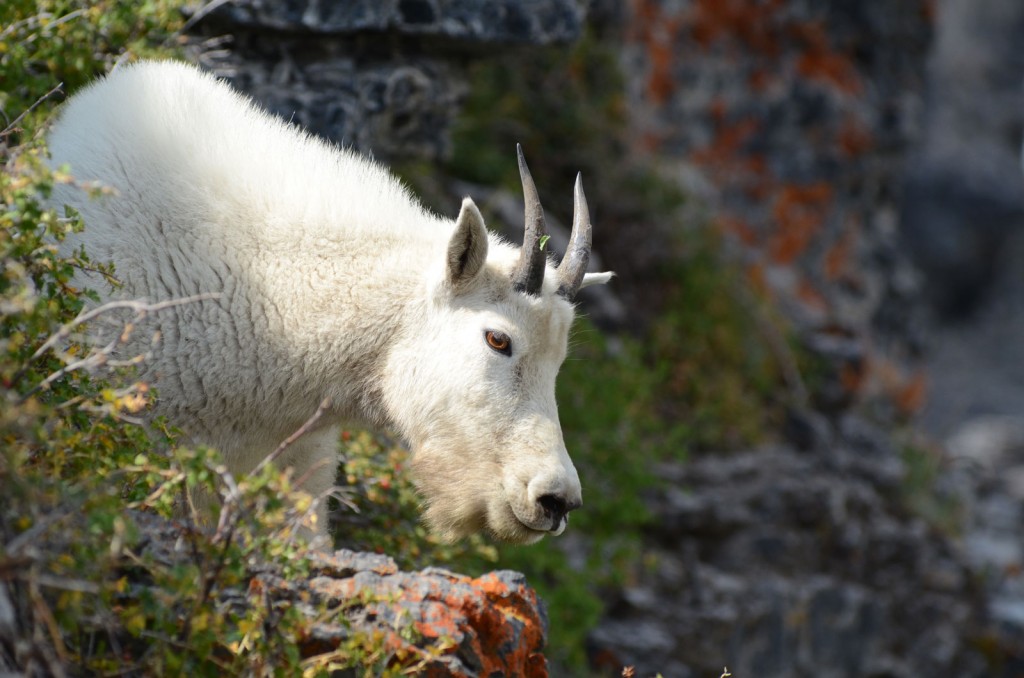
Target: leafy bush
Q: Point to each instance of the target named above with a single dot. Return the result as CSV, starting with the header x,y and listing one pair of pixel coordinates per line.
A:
x,y
79,585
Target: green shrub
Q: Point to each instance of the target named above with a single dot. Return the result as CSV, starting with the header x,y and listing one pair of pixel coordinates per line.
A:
x,y
79,474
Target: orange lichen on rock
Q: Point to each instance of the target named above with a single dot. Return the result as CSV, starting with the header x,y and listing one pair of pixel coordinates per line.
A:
x,y
838,261
465,627
798,212
725,150
657,33
820,62
853,137
748,21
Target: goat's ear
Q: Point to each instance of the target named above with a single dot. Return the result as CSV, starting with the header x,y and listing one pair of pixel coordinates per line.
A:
x,y
596,278
467,249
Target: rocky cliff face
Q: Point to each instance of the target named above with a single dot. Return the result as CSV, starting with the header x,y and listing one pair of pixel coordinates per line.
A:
x,y
382,77
781,562
792,122
836,142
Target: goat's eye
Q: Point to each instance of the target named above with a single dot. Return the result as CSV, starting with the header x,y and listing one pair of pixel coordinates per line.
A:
x,y
499,341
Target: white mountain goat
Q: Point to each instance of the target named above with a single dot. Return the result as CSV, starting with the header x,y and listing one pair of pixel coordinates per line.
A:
x,y
332,283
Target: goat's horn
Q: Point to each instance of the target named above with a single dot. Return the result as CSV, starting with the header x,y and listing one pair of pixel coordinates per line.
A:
x,y
528,275
574,265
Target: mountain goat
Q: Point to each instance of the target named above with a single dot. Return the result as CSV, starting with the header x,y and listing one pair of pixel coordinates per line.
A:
x,y
334,284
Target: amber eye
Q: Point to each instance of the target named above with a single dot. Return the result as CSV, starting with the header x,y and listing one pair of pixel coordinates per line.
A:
x,y
499,341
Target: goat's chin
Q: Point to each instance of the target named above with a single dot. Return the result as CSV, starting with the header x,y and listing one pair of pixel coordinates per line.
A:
x,y
504,527
455,509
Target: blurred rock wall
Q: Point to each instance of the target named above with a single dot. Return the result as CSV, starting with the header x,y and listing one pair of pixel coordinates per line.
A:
x,y
380,76
963,218
795,122
792,120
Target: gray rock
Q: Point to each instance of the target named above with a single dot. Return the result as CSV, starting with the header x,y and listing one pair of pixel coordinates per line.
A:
x,y
824,575
358,73
494,21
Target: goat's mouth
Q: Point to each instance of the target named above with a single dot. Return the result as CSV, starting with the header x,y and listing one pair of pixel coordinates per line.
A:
x,y
541,526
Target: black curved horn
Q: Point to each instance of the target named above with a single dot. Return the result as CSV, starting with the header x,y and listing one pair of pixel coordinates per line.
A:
x,y
528,275
574,265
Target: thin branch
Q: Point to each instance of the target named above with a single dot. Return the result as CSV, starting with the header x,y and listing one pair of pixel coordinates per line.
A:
x,y
226,519
10,128
303,430
64,584
140,307
98,357
196,17
43,611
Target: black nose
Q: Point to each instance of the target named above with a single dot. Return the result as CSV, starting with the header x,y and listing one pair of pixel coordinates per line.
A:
x,y
556,507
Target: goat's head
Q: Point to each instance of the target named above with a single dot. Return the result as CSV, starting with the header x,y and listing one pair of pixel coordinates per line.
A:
x,y
472,380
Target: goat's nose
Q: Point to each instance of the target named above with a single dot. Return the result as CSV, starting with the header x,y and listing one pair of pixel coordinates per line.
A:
x,y
556,507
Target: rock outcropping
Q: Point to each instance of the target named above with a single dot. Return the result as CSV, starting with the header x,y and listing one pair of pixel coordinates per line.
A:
x,y
779,562
449,624
382,77
491,625
792,121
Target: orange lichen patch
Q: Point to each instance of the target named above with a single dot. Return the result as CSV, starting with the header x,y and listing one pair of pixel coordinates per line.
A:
x,y
820,62
651,141
437,621
908,392
727,143
760,79
911,397
809,295
799,212
657,32
334,589
854,138
838,259
516,606
737,227
717,108
747,21
661,83
851,376
758,182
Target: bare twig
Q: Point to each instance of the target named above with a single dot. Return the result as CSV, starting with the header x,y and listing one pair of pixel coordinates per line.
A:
x,y
37,18
98,357
43,611
196,17
302,430
11,127
140,307
227,519
14,546
64,584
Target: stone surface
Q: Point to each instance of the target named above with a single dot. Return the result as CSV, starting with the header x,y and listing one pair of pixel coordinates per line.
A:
x,y
963,219
965,199
381,77
792,121
776,562
493,625
472,21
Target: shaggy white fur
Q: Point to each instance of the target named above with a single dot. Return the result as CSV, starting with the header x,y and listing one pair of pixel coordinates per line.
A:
x,y
334,283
